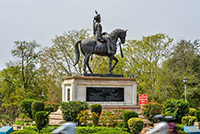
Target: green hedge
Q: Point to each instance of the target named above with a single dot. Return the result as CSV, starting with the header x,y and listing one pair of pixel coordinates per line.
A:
x,y
178,108
192,111
197,115
112,132
49,109
25,132
26,107
92,130
127,115
73,108
21,122
188,120
151,109
41,119
37,106
97,108
135,125
46,129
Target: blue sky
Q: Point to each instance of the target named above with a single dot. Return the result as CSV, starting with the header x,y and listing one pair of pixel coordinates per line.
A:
x,y
41,20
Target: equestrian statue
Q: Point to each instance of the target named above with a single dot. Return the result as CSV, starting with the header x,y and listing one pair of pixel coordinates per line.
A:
x,y
102,44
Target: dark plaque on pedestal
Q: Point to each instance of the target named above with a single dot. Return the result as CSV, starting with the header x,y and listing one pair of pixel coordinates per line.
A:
x,y
105,94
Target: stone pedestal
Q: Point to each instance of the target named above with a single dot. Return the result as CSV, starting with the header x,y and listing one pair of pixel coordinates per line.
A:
x,y
102,90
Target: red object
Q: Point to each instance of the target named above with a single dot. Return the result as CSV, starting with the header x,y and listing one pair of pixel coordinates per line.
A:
x,y
142,99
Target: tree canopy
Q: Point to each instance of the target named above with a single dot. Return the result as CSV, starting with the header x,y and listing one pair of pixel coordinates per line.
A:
x,y
157,63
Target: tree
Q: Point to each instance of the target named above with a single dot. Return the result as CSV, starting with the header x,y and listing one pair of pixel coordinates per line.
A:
x,y
59,58
184,60
10,84
27,60
143,59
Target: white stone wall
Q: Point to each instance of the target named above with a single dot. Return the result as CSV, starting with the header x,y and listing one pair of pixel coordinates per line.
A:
x,y
77,86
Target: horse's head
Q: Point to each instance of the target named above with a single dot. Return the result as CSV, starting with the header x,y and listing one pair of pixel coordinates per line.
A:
x,y
122,36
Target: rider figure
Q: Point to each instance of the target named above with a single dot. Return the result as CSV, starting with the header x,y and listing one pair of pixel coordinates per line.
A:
x,y
97,30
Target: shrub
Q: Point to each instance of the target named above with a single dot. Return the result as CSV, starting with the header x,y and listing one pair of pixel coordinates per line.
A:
x,y
53,104
21,122
112,132
180,127
48,129
49,109
41,119
73,108
26,107
191,111
127,116
151,109
31,128
89,130
83,117
97,108
178,108
188,120
183,132
12,110
37,106
95,118
135,125
197,115
25,132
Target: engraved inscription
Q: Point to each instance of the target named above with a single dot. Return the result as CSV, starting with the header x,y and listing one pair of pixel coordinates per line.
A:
x,y
104,94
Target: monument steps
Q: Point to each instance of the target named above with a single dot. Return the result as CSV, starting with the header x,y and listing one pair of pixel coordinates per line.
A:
x,y
55,118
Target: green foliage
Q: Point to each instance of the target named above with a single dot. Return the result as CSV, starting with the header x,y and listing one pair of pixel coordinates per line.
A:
x,y
127,115
188,120
97,108
37,106
4,119
45,130
49,109
83,117
12,110
25,132
197,115
60,56
26,107
95,118
21,122
90,130
192,111
112,132
182,132
135,125
151,109
52,104
73,108
178,108
180,127
142,60
183,60
31,128
10,84
110,118
41,119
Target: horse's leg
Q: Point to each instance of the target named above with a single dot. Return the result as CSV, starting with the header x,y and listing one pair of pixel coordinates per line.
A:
x,y
116,61
110,63
87,63
84,65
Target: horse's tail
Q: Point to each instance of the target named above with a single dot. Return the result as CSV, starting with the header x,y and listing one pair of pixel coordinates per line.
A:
x,y
77,51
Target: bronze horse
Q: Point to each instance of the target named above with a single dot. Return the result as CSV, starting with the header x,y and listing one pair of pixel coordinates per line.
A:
x,y
91,46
